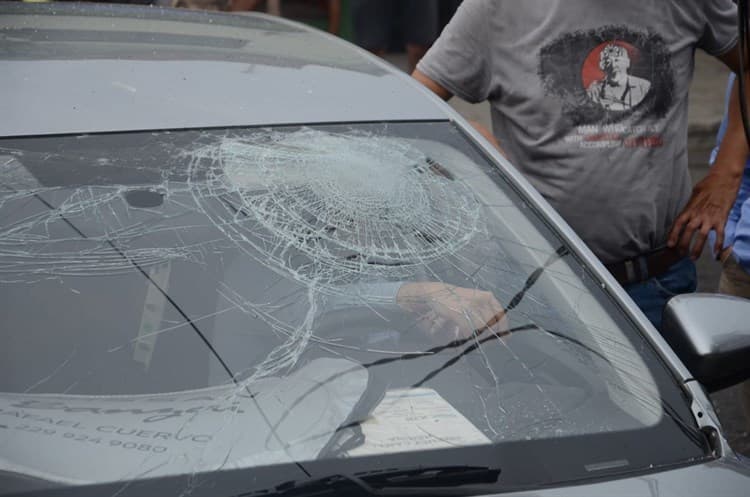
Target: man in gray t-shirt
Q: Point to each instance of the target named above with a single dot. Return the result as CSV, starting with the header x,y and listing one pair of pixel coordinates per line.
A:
x,y
589,101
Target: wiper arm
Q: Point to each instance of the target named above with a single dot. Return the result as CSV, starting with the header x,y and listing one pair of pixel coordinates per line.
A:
x,y
440,480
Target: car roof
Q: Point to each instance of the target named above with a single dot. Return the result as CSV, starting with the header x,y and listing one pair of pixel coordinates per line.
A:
x,y
80,68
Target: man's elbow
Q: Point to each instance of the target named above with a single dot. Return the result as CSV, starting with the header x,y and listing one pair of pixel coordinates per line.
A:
x,y
432,85
731,59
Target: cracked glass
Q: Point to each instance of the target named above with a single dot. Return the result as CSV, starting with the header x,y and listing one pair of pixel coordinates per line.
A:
x,y
303,300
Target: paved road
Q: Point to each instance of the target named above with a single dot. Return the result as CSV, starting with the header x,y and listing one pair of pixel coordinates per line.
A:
x,y
705,110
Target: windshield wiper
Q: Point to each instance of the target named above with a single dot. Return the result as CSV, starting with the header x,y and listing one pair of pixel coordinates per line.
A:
x,y
439,480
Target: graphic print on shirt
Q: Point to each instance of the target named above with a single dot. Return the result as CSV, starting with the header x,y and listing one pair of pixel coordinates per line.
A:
x,y
614,83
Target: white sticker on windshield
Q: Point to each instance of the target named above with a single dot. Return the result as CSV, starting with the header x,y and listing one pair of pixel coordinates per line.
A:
x,y
416,419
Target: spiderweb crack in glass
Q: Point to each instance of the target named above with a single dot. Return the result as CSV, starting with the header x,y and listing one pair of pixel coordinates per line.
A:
x,y
326,210
48,241
356,205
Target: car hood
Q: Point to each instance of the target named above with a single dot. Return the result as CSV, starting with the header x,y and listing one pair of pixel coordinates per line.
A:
x,y
101,68
729,476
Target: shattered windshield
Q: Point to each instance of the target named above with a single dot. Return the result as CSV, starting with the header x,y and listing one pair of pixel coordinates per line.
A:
x,y
195,302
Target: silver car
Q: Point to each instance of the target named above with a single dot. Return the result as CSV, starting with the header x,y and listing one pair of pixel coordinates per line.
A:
x,y
242,257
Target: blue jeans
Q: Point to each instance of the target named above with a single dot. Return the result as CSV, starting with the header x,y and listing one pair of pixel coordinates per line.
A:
x,y
652,295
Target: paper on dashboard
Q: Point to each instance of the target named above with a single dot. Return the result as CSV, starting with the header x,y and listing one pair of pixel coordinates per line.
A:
x,y
416,419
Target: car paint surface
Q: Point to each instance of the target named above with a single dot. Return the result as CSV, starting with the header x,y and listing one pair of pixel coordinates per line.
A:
x,y
727,477
198,73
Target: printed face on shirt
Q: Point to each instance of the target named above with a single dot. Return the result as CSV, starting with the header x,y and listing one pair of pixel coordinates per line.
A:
x,y
614,59
605,75
609,82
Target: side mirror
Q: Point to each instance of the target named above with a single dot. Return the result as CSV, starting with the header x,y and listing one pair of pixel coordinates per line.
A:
x,y
711,334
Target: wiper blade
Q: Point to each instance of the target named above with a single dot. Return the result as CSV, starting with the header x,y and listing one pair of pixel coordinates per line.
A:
x,y
440,476
440,480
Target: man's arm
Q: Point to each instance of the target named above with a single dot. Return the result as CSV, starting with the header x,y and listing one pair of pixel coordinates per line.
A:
x,y
432,85
713,197
448,312
445,94
445,312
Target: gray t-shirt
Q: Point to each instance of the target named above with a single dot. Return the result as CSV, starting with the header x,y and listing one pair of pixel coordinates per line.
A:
x,y
589,100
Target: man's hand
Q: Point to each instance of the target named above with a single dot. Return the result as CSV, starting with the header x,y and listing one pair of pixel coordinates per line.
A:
x,y
448,312
707,209
712,198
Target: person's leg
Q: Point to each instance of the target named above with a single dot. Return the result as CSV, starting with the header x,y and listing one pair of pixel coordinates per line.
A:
x,y
651,296
334,16
243,5
273,7
736,281
420,24
371,24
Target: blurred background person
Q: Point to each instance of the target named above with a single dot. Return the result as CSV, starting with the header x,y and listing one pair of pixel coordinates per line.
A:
x,y
214,5
299,9
376,23
245,5
735,256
